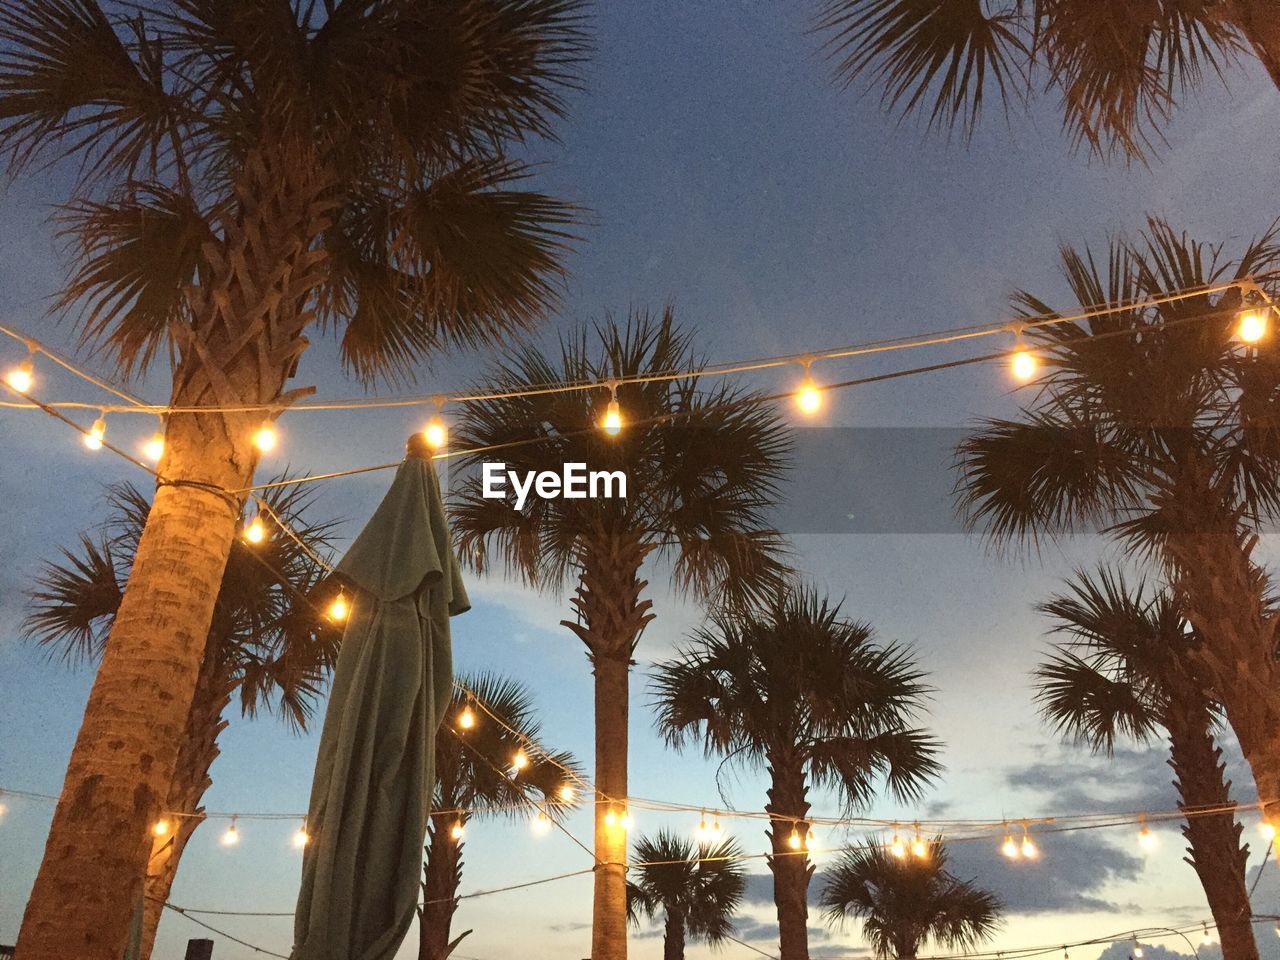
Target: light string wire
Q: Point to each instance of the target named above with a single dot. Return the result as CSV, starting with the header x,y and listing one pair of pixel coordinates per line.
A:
x,y
938,338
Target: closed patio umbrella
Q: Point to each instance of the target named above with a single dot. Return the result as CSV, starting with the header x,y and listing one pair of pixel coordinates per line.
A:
x,y
374,777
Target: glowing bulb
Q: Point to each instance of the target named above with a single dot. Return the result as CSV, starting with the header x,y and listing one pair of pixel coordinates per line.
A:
x,y
436,433
810,841
467,718
1147,840
457,830
625,820
897,847
1267,829
919,848
809,397
256,531
610,817
161,828
1029,849
301,838
716,829
153,449
519,761
793,841
1206,938
1253,325
541,825
567,793
612,422
1009,848
703,832
93,439
1137,951
266,437
232,836
339,609
22,377
1023,364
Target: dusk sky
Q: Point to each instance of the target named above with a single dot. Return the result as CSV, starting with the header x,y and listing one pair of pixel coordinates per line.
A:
x,y
726,173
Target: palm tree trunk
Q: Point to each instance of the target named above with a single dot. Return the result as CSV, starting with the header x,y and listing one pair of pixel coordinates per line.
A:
x,y
673,939
198,750
788,807
612,616
242,345
1216,853
1259,21
442,877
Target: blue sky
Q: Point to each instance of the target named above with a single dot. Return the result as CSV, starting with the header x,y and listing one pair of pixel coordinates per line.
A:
x,y
727,175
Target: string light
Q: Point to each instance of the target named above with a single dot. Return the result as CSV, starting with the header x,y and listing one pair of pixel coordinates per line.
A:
x,y
808,396
625,821
810,841
519,761
918,847
457,830
793,841
1253,325
541,824
610,817
266,438
1023,363
22,377
300,837
232,836
467,718
1267,829
703,833
160,828
1147,840
93,439
436,432
256,531
1206,938
1137,948
1029,848
1009,848
612,422
153,449
896,846
567,793
339,609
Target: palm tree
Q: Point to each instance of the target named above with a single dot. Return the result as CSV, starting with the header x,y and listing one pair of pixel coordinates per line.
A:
x,y
1125,672
697,889
1156,424
1119,68
701,461
810,695
491,720
244,169
904,902
270,644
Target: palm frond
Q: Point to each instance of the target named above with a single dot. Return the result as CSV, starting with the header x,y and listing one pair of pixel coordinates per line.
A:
x,y
74,602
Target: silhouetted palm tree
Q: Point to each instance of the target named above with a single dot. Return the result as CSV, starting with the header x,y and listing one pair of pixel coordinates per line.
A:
x,y
809,695
243,170
1125,672
1119,68
490,721
904,902
270,643
701,461
696,889
1156,424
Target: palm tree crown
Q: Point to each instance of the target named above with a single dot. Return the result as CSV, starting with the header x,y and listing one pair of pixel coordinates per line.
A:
x,y
696,888
903,903
1119,68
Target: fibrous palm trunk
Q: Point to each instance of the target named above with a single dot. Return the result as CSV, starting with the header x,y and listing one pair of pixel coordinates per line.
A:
x,y
1216,853
788,807
196,753
241,346
673,936
612,616
442,876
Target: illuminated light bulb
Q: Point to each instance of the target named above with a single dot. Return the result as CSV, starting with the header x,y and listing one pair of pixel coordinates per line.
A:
x,y
540,825
1206,938
161,828
1147,840
716,829
919,848
1137,951
703,833
897,847
794,841
22,377
1267,829
808,397
1029,848
339,609
232,836
810,841
567,793
3,809
153,449
1009,848
256,531
266,438
467,718
1253,325
612,422
301,838
519,761
1023,364
610,817
436,433
1278,929
625,821
93,439
457,830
